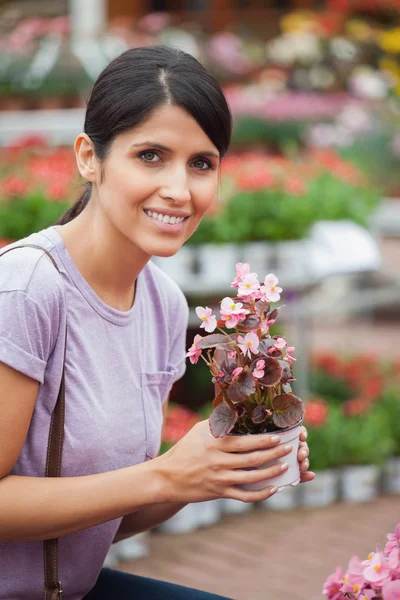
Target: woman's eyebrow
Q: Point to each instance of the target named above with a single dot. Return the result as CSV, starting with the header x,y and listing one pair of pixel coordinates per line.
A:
x,y
166,149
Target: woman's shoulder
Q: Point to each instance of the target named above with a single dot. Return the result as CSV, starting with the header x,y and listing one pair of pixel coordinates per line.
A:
x,y
158,282
30,271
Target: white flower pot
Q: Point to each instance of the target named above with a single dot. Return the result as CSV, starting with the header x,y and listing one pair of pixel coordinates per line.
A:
x,y
291,477
360,483
180,266
230,506
134,547
391,475
217,263
209,512
287,499
322,491
185,521
258,255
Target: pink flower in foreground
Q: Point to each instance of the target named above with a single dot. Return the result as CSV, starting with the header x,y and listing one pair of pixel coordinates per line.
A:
x,y
209,320
333,584
242,269
391,590
393,540
249,285
194,352
378,571
270,290
259,370
354,580
249,343
289,351
232,312
280,343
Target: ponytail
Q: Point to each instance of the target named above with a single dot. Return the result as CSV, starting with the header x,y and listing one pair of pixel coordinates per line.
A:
x,y
78,207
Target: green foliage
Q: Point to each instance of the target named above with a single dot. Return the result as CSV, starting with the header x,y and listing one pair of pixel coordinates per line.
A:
x,y
22,216
279,135
324,442
365,439
391,405
275,215
333,388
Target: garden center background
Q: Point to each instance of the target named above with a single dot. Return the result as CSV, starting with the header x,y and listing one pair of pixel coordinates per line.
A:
x,y
310,191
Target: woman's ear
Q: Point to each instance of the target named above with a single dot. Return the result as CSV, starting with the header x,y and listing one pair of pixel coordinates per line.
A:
x,y
86,158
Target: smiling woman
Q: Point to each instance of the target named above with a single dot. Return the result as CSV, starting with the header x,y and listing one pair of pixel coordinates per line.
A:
x,y
105,332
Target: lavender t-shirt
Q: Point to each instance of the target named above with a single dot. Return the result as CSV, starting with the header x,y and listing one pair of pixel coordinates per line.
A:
x,y
120,367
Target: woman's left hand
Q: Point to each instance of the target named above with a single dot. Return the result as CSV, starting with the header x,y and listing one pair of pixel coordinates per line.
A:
x,y
302,457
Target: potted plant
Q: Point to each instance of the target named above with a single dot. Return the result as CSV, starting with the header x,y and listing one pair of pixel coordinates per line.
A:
x,y
323,425
251,369
375,578
365,445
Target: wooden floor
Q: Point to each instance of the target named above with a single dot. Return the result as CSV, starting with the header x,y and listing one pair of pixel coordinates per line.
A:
x,y
268,555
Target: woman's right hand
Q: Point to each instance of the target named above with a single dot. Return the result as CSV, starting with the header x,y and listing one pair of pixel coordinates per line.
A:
x,y
200,467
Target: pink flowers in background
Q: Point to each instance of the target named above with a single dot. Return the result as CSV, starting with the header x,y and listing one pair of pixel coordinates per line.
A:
x,y
32,166
376,578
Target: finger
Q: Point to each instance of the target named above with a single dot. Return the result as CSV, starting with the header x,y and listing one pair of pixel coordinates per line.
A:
x,y
305,477
255,496
304,466
256,458
241,477
303,434
247,443
303,453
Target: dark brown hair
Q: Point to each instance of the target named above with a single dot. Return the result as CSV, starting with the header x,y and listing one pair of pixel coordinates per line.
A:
x,y
138,82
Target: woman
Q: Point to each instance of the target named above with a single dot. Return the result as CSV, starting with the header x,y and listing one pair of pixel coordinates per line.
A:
x,y
157,126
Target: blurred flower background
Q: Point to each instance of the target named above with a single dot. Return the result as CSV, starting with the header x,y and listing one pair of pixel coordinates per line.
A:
x,y
310,190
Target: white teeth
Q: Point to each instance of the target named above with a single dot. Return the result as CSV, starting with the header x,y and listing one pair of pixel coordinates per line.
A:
x,y
164,218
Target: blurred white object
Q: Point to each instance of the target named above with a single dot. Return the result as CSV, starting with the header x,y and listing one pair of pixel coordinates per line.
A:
x,y
391,475
185,521
111,560
134,547
229,506
322,491
341,247
360,483
88,18
209,512
284,500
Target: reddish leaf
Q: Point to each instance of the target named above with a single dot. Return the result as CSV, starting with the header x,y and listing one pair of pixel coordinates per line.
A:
x,y
272,371
241,389
287,375
250,323
260,413
211,341
219,397
220,354
288,409
222,420
266,345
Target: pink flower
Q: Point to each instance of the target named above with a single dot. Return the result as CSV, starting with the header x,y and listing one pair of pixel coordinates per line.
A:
x,y
391,590
378,571
280,343
231,354
209,320
249,343
249,285
270,290
242,269
259,370
332,586
232,312
289,351
354,580
236,372
393,540
194,352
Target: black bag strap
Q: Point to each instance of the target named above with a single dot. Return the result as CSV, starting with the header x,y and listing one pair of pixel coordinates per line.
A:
x,y
53,589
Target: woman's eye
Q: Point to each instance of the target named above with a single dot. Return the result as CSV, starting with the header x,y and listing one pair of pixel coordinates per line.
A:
x,y
201,164
149,156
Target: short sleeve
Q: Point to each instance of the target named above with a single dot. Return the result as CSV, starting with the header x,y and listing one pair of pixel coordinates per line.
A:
x,y
179,323
25,334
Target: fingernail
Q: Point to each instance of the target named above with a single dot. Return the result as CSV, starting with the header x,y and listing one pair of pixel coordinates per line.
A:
x,y
273,490
275,439
284,466
288,447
